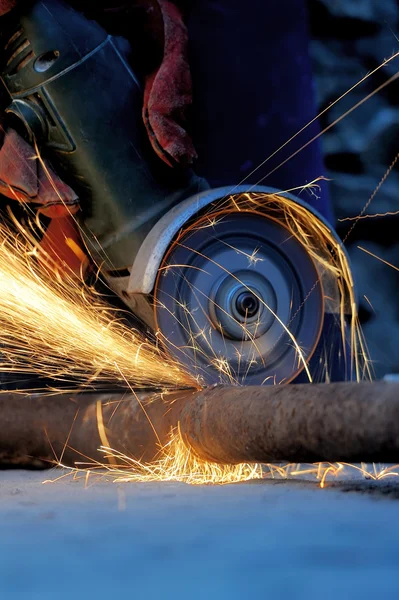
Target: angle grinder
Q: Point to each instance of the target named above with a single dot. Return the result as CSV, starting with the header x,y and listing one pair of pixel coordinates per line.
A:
x,y
222,281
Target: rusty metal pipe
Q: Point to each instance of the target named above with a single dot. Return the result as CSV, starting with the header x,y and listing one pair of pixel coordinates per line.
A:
x,y
345,422
38,430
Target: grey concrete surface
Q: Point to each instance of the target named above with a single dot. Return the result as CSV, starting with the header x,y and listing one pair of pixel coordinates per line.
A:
x,y
268,539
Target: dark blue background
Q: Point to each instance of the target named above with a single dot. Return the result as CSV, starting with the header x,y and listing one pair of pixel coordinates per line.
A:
x,y
253,90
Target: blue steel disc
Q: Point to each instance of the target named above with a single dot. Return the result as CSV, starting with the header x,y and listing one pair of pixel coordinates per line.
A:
x,y
240,301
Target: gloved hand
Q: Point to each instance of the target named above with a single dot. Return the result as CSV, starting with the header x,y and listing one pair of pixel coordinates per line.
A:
x,y
26,177
167,94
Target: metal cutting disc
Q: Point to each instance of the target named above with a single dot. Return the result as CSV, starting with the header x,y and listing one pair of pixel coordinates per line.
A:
x,y
240,300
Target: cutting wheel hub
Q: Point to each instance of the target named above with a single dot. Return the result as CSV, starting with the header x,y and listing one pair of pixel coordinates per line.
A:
x,y
247,305
242,304
240,299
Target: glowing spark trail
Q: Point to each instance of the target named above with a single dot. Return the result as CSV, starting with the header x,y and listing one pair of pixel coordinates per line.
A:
x,y
178,463
362,214
56,328
378,258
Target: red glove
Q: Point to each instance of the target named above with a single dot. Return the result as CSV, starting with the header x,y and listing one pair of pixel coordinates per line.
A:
x,y
7,5
168,95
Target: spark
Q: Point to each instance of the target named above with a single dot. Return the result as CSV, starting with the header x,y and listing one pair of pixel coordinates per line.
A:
x,y
324,472
210,223
253,259
58,328
373,216
373,195
379,258
368,302
101,427
176,462
224,367
323,479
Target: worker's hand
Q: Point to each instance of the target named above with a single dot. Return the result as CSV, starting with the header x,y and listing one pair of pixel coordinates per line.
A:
x,y
167,96
158,36
27,177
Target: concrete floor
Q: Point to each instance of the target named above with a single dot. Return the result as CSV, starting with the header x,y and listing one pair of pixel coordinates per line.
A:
x,y
268,539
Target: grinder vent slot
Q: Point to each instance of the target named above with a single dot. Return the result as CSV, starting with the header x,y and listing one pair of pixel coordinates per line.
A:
x,y
13,38
18,52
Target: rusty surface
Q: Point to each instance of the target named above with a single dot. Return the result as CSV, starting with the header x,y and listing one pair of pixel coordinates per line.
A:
x,y
345,422
37,431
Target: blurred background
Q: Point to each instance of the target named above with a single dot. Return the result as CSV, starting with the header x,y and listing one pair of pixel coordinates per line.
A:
x,y
348,39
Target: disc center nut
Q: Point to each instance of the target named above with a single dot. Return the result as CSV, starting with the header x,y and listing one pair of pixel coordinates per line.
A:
x,y
242,305
247,304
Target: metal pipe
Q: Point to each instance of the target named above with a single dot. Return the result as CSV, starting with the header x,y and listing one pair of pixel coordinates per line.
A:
x,y
345,422
348,422
39,430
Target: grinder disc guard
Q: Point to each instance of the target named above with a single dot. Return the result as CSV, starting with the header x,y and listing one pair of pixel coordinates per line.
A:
x,y
239,299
